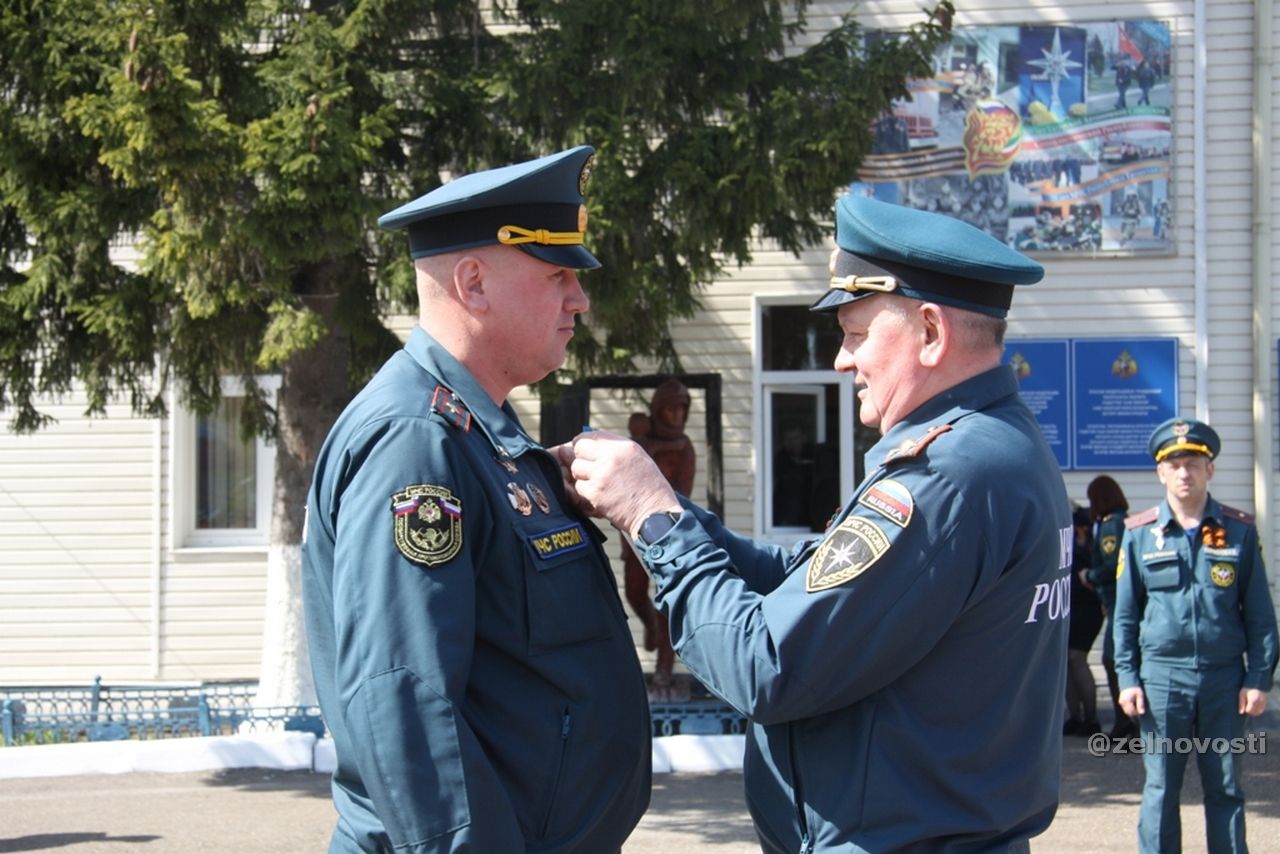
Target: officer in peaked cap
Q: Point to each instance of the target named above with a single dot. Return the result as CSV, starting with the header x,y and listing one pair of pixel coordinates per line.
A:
x,y
470,651
535,206
1195,638
887,248
869,661
1181,436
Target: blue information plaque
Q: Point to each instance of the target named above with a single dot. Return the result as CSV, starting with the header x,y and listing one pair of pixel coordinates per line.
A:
x,y
1122,389
1041,365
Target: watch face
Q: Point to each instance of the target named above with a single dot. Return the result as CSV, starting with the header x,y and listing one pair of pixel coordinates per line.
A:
x,y
655,526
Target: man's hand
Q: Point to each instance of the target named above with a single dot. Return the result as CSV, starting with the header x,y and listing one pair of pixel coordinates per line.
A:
x,y
617,478
1252,702
564,455
1134,702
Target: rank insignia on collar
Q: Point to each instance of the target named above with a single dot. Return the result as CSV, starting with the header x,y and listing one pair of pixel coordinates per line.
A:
x,y
912,447
848,551
539,498
519,499
444,402
427,523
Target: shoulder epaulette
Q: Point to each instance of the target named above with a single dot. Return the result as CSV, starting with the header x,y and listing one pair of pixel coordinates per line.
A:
x,y
1146,517
912,447
447,404
1238,515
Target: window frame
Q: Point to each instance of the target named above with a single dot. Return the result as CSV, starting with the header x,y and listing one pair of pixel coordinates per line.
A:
x,y
185,537
764,384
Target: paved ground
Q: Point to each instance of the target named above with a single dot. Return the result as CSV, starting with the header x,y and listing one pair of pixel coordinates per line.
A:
x,y
264,812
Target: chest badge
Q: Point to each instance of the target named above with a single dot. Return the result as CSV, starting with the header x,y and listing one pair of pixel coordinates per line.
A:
x,y
1223,574
519,499
539,497
847,552
427,523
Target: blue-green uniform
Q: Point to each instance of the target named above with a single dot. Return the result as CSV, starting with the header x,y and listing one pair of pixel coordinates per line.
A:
x,y
1194,624
904,674
470,650
1102,572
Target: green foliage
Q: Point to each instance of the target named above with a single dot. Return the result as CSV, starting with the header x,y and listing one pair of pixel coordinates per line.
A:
x,y
247,146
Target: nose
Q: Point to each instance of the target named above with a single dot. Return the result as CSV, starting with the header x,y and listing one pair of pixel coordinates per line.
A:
x,y
845,363
576,299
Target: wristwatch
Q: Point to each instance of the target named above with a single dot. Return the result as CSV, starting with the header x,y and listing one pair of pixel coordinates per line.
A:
x,y
654,527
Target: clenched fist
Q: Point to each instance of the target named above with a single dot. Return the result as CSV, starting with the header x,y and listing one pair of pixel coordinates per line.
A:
x,y
615,478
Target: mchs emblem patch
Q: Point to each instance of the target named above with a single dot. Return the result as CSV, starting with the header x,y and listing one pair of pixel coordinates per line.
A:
x,y
427,523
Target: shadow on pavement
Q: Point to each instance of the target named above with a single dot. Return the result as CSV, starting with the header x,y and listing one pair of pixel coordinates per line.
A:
x,y
45,841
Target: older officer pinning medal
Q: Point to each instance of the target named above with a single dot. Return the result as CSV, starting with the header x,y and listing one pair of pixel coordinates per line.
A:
x,y
1195,638
470,650
904,673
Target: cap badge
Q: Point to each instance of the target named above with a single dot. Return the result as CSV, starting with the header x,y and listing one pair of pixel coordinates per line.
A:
x,y
1181,428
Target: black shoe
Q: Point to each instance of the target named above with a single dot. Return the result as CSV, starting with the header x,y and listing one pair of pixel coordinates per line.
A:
x,y
1124,728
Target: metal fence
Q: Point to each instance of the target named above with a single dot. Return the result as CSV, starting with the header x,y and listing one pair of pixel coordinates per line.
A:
x,y
98,712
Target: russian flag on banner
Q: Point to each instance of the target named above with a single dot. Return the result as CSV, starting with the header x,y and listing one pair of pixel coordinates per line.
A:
x,y
454,510
1124,44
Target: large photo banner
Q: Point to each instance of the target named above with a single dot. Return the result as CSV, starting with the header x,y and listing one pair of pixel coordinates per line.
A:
x,y
1050,138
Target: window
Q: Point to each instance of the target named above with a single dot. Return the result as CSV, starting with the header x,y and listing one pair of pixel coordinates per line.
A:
x,y
810,443
221,483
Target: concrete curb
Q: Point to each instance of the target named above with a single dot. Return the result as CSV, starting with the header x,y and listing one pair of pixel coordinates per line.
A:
x,y
291,751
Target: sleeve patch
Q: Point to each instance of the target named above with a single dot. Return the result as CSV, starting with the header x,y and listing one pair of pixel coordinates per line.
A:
x,y
427,523
1109,544
891,500
848,551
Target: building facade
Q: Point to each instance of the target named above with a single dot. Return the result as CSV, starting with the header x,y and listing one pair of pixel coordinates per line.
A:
x,y
136,549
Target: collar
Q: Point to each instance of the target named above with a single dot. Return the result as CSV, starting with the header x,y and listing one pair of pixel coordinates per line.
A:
x,y
971,395
499,424
1212,513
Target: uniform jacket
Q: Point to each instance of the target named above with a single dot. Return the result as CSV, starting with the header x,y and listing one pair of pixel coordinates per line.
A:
x,y
904,674
1106,554
470,650
1195,607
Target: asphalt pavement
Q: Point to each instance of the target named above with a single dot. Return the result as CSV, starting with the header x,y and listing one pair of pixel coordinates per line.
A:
x,y
274,812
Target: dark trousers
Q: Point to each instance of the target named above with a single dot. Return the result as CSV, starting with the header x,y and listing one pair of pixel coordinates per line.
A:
x,y
1183,705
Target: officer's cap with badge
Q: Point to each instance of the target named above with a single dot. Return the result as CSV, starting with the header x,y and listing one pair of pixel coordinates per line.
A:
x,y
536,207
1179,437
888,248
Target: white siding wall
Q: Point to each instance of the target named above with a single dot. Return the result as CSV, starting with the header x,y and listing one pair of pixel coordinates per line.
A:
x,y
76,508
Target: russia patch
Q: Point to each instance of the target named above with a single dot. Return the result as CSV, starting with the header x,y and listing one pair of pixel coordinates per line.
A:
x,y
891,500
847,552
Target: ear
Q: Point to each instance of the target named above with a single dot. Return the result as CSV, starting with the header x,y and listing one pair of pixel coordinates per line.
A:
x,y
935,334
469,283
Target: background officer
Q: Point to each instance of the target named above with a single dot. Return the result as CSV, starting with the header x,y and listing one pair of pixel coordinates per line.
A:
x,y
1195,636
470,650
903,674
1107,508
